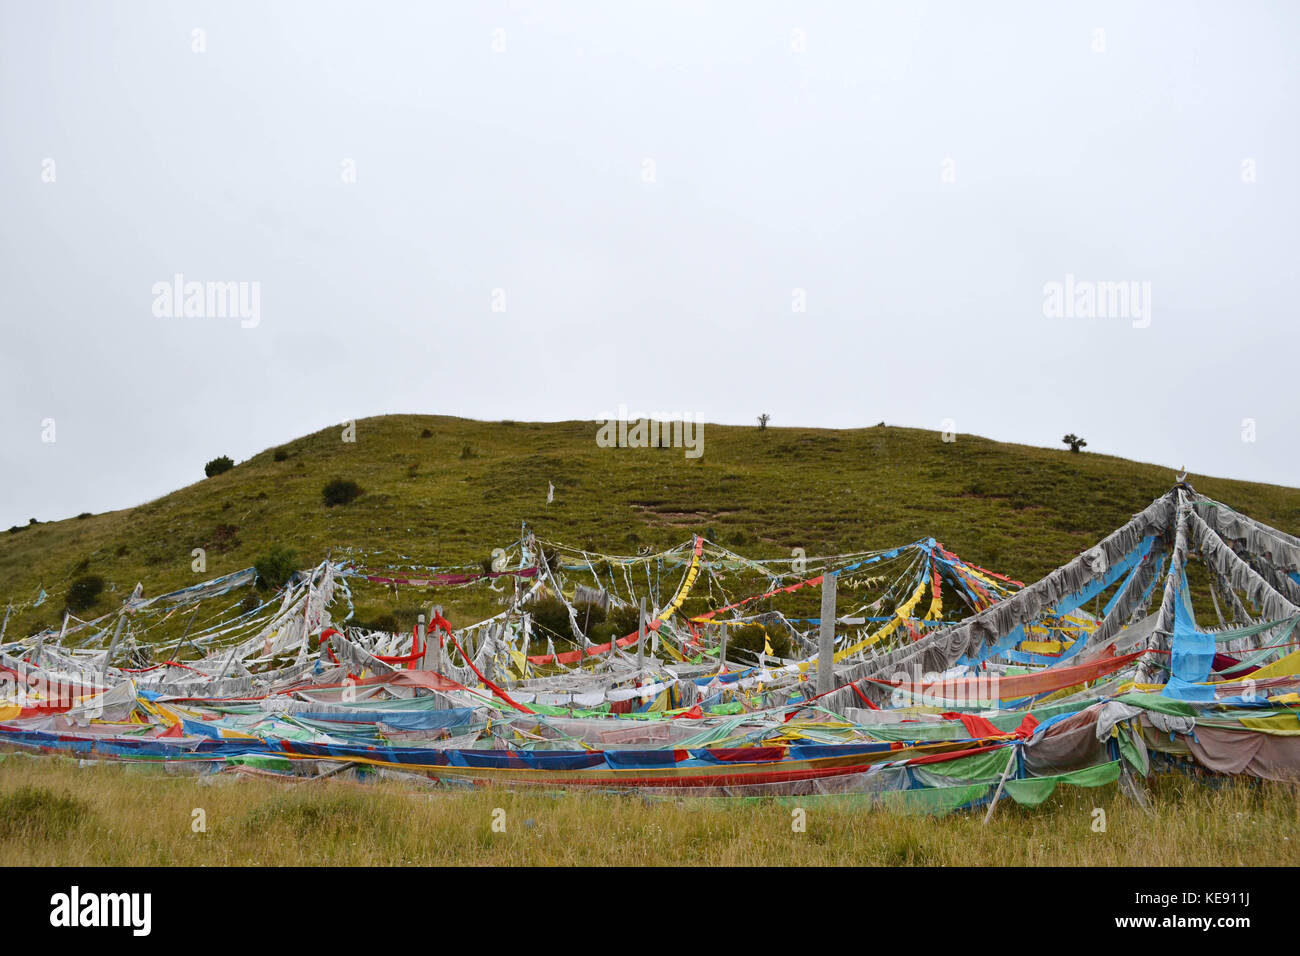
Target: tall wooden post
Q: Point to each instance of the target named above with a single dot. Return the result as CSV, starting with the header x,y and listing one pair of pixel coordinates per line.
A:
x,y
112,647
640,639
826,637
423,642
722,652
436,649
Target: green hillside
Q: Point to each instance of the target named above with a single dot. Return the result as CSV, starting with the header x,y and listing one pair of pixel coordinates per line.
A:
x,y
446,491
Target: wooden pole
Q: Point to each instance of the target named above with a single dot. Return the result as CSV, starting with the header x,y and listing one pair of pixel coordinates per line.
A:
x,y
436,649
722,653
423,640
998,793
112,647
826,637
640,639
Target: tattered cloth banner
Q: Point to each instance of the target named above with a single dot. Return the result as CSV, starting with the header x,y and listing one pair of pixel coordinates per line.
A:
x,y
1014,687
683,590
443,579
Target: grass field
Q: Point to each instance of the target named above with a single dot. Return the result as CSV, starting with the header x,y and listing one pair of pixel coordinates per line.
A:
x,y
53,812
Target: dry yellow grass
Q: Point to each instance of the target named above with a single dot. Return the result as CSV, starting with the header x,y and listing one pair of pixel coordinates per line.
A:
x,y
53,812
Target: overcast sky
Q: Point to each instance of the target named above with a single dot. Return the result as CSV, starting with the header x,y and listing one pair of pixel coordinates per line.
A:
x,y
651,192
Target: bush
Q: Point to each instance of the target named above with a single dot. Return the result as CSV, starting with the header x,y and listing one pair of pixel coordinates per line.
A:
x,y
83,515
317,817
224,537
281,454
427,433
386,621
618,623
218,466
466,453
747,642
276,567
39,813
340,491
624,619
552,619
84,591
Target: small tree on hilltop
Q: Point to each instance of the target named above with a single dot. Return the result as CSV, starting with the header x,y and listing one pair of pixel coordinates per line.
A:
x,y
218,466
1074,441
763,420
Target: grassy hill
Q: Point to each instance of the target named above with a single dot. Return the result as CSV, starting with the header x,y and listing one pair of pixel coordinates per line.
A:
x,y
446,491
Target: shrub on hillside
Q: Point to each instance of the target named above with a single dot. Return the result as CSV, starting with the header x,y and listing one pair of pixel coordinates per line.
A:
x,y
224,537
618,623
281,454
340,491
384,621
275,567
84,591
218,466
747,642
625,619
552,619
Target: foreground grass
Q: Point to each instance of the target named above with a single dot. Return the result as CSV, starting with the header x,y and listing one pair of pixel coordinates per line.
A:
x,y
53,812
